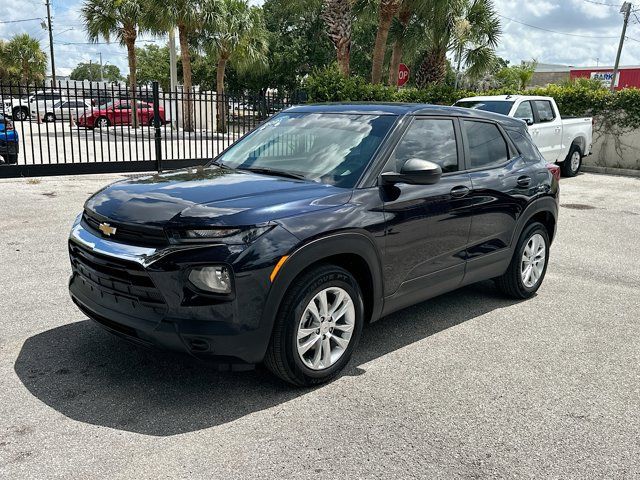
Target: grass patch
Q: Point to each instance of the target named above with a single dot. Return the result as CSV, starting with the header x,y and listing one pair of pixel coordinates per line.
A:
x,y
33,181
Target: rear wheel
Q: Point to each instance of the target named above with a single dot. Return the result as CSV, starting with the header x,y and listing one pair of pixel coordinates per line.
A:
x,y
571,165
102,122
20,114
528,265
49,117
317,328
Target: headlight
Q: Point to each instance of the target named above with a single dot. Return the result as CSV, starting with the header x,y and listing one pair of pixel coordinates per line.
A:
x,y
228,236
216,278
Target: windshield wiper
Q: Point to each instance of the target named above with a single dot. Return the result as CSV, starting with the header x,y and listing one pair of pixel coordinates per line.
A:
x,y
275,173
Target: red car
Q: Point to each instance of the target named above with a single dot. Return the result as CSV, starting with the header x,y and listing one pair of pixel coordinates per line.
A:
x,y
118,112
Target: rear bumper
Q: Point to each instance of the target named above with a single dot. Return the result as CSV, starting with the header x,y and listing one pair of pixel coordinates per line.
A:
x,y
9,147
142,294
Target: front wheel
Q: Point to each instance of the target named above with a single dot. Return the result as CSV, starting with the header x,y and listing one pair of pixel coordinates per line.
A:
x,y
317,328
571,166
20,114
102,122
528,265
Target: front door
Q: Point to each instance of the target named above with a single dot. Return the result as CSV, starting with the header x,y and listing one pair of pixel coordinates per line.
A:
x,y
547,130
427,226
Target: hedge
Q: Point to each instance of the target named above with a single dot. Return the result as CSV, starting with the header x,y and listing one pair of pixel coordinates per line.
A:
x,y
621,108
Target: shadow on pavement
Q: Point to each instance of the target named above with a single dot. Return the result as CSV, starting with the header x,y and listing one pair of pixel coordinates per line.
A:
x,y
90,376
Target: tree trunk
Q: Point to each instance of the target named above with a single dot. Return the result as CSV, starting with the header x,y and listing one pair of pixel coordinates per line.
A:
x,y
187,101
343,51
338,18
130,41
388,9
433,69
398,46
221,101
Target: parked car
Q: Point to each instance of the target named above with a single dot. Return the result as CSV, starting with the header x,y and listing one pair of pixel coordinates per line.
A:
x,y
118,112
21,108
9,141
323,218
63,110
561,140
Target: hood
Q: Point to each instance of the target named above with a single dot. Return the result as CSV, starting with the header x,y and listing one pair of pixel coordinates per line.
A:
x,y
211,196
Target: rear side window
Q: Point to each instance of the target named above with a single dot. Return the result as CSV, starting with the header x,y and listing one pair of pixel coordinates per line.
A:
x,y
526,147
429,139
487,146
545,111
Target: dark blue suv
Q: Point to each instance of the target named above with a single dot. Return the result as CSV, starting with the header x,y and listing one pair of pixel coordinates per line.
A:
x,y
9,141
322,219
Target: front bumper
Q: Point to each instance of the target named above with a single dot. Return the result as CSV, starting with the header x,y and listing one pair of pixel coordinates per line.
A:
x,y
143,294
9,147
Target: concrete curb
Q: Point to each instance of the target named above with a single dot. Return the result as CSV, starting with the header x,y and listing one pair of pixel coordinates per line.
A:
x,y
625,172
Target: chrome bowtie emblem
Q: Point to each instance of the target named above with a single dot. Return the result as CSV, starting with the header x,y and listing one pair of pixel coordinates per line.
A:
x,y
107,229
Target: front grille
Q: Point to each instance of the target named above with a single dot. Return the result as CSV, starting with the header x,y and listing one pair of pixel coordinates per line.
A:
x,y
117,277
125,232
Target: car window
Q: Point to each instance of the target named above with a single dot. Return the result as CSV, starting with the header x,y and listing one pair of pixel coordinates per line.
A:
x,y
124,106
545,111
525,146
63,104
487,146
525,112
502,107
429,139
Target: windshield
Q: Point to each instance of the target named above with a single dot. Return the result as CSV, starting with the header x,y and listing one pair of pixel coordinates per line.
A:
x,y
495,106
329,148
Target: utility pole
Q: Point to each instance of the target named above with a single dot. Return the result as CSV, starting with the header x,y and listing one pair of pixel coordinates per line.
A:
x,y
173,74
626,9
53,62
101,76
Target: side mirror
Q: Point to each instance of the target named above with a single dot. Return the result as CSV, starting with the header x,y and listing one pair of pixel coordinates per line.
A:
x,y
414,172
529,121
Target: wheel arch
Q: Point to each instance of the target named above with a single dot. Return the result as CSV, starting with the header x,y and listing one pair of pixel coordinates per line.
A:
x,y
545,211
356,252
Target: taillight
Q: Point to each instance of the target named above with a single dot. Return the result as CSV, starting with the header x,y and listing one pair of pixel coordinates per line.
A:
x,y
555,170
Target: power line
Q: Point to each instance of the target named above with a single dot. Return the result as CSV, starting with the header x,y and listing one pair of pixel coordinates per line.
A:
x,y
21,20
554,31
617,5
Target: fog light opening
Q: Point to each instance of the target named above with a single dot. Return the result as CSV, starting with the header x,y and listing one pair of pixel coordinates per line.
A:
x,y
216,279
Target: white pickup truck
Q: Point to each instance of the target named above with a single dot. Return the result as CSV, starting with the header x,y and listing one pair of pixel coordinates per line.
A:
x,y
565,141
20,108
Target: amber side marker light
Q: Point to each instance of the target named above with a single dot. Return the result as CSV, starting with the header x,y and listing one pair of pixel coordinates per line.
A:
x,y
277,268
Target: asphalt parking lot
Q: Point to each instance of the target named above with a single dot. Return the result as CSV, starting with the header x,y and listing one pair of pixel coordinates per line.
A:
x,y
468,385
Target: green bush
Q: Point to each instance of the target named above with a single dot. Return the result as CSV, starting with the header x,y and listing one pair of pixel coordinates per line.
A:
x,y
621,109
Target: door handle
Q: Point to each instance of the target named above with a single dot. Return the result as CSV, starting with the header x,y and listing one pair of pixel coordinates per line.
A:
x,y
460,191
524,181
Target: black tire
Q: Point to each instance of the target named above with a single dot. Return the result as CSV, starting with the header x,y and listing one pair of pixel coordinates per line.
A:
x,y
20,114
12,158
282,357
566,167
49,117
96,124
511,282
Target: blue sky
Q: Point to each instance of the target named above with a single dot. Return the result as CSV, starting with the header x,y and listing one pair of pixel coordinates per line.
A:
x,y
596,28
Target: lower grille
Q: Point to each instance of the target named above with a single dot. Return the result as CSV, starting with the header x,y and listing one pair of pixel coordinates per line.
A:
x,y
117,277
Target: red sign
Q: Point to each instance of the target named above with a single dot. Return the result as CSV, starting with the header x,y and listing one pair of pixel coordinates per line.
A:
x,y
403,74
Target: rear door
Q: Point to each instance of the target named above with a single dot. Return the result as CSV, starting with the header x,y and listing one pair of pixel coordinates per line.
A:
x,y
502,182
547,130
427,226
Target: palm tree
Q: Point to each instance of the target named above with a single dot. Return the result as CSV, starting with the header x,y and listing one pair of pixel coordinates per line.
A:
x,y
24,58
234,34
338,16
470,28
187,16
124,20
388,9
399,32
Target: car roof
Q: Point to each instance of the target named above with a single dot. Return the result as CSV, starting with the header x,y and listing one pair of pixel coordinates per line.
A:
x,y
402,109
505,98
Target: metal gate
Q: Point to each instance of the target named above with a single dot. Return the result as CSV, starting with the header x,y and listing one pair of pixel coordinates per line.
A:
x,y
85,127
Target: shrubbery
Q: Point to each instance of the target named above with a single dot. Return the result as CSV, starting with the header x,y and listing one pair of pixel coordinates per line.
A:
x,y
574,99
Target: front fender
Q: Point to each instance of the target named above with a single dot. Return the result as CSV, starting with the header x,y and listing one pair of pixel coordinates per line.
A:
x,y
354,243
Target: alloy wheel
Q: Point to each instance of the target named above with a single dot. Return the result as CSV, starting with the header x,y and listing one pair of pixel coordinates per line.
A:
x,y
575,161
325,328
533,260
